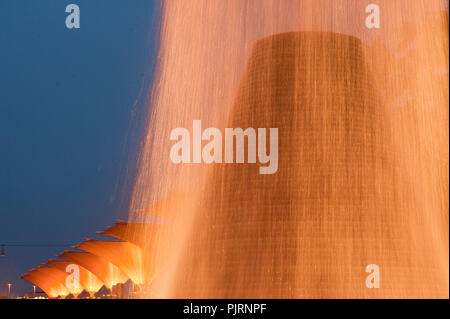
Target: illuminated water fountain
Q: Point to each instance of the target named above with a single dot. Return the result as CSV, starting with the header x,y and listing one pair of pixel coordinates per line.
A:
x,y
345,195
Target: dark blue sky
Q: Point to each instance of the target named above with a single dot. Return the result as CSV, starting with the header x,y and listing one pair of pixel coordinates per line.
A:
x,y
67,131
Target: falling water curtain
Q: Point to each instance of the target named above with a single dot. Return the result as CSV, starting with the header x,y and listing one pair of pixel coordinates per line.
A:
x,y
362,179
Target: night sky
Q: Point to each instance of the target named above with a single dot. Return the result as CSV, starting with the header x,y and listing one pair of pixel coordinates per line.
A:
x,y
72,104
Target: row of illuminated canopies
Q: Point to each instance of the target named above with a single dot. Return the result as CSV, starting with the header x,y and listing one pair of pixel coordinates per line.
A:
x,y
127,256
95,264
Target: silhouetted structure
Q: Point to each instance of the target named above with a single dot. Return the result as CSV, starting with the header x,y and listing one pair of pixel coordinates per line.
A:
x,y
336,203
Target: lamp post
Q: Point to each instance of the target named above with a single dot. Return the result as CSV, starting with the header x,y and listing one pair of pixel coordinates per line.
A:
x,y
34,291
9,290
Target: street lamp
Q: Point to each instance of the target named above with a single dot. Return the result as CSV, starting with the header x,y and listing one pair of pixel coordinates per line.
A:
x,y
34,291
9,290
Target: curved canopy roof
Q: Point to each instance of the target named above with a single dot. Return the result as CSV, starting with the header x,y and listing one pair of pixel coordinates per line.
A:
x,y
51,280
139,234
105,271
127,256
88,280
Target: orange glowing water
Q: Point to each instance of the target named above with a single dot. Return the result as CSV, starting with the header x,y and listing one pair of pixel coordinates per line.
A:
x,y
394,213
